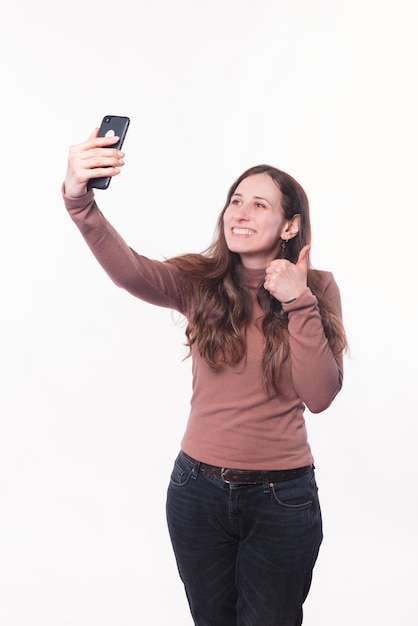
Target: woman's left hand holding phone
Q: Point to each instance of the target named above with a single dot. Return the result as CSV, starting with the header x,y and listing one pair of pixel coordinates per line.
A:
x,y
91,159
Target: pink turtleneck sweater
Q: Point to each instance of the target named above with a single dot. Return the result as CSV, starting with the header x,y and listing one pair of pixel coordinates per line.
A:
x,y
232,421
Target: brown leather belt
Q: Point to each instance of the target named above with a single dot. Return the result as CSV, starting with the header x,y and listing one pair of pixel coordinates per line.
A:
x,y
248,477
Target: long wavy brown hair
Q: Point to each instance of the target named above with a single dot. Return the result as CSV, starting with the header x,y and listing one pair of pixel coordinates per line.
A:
x,y
221,307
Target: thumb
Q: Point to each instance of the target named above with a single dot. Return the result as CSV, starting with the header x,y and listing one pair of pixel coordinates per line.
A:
x,y
303,258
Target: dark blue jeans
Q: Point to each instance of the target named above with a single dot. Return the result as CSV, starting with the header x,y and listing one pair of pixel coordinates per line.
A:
x,y
245,553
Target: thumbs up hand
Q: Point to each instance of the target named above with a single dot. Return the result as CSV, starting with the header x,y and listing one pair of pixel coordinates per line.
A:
x,y
285,280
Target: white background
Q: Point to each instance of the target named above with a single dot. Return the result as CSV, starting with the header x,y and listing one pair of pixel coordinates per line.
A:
x,y
94,393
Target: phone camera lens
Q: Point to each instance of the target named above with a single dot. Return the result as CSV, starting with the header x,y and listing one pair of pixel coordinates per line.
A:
x,y
107,120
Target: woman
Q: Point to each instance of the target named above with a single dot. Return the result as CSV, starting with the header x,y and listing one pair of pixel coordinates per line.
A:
x,y
266,339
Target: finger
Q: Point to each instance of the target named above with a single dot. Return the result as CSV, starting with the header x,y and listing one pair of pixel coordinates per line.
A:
x,y
108,138
266,283
105,171
94,141
273,265
93,134
303,258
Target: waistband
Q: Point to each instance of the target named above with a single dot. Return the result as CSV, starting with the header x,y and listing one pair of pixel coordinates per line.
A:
x,y
248,477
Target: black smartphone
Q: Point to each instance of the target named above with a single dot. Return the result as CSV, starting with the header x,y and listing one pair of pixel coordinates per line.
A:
x,y
111,125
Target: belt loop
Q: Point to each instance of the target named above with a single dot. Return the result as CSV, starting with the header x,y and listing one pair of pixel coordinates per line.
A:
x,y
265,476
195,470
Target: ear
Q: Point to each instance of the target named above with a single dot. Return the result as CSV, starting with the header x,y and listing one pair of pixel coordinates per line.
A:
x,y
291,228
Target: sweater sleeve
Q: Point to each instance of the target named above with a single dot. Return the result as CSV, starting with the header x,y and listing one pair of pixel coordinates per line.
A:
x,y
317,373
153,281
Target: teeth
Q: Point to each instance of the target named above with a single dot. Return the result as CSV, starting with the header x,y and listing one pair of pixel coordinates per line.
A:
x,y
243,231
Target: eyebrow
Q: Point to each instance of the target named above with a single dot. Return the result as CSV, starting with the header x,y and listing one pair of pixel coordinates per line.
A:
x,y
255,197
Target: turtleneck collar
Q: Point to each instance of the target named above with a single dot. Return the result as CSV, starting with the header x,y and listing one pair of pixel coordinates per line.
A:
x,y
253,277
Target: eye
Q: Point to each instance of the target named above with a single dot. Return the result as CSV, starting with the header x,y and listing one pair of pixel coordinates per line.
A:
x,y
235,201
260,205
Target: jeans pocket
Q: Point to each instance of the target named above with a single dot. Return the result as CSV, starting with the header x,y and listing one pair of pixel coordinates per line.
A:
x,y
181,473
298,494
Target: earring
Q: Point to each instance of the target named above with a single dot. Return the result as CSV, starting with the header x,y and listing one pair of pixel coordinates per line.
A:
x,y
284,242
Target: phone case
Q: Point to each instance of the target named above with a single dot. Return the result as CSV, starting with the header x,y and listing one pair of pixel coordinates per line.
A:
x,y
117,125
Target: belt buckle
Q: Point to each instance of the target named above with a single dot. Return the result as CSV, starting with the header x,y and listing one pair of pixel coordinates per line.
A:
x,y
223,470
235,477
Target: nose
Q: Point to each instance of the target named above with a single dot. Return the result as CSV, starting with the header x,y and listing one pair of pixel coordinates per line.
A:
x,y
243,211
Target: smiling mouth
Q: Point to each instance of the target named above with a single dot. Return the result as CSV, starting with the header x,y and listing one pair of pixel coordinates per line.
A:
x,y
247,232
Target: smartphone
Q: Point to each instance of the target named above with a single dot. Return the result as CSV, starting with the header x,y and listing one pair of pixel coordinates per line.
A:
x,y
111,125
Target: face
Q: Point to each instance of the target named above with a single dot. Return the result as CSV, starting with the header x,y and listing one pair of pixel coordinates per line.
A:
x,y
254,221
